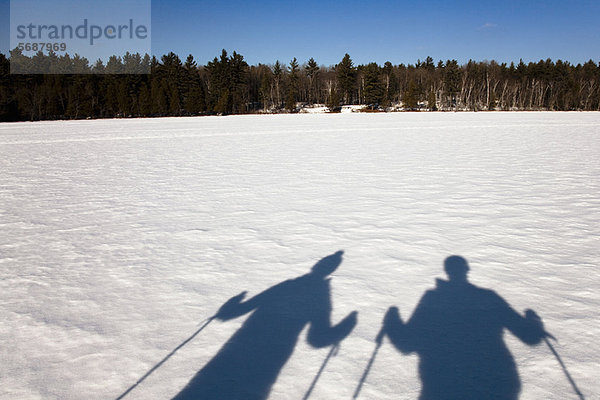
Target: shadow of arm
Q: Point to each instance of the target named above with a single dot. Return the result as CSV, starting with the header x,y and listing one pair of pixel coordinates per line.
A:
x,y
529,329
396,330
322,334
234,308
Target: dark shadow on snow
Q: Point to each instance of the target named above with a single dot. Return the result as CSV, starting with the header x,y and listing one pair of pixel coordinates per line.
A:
x,y
248,364
457,331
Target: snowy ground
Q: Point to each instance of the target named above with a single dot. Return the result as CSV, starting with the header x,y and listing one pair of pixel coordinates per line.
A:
x,y
118,238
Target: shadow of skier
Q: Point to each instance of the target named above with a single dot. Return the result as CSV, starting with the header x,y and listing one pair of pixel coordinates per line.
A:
x,y
248,364
457,331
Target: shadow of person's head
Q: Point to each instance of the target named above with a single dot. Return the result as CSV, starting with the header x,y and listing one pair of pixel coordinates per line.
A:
x,y
456,268
327,265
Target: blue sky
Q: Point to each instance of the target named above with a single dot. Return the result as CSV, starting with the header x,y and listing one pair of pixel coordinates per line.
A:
x,y
398,31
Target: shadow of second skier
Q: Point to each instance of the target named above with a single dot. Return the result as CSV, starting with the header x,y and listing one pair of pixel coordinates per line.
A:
x,y
457,331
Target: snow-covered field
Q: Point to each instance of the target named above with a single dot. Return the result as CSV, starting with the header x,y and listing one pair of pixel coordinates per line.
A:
x,y
119,238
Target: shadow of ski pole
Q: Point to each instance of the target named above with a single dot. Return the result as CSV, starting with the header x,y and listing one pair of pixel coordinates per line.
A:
x,y
161,362
564,367
367,370
332,352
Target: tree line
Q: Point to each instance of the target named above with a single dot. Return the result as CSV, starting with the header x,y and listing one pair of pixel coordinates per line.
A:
x,y
229,85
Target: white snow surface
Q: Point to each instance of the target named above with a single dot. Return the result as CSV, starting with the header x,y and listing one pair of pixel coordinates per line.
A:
x,y
118,238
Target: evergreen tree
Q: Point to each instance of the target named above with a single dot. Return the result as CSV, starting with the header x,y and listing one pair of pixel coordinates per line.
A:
x,y
292,92
237,84
227,77
390,87
218,70
410,97
312,72
452,76
429,65
373,90
113,66
194,102
346,76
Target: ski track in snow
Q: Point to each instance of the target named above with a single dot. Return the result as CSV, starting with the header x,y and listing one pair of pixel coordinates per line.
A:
x,y
118,238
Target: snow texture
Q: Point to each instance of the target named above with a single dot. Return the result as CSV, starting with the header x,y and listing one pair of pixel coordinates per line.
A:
x,y
119,238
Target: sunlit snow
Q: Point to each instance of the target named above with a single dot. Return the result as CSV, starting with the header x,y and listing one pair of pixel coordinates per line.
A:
x,y
119,238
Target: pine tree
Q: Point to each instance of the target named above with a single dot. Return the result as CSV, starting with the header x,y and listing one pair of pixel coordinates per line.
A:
x,y
292,92
237,84
218,70
390,86
452,76
227,82
113,66
346,76
373,90
429,65
312,72
410,99
194,102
